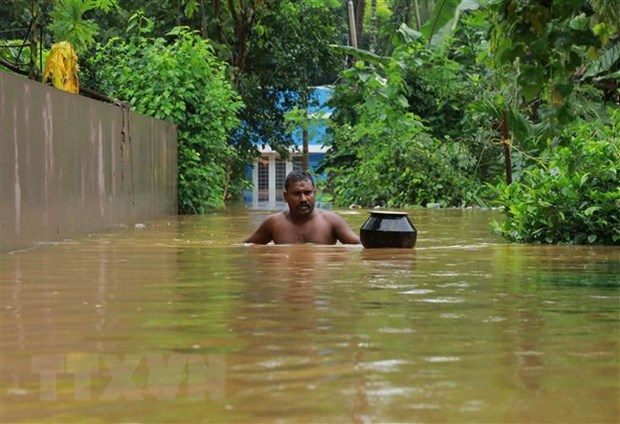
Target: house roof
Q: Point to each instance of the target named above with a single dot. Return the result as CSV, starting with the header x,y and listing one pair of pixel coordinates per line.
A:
x,y
312,148
318,113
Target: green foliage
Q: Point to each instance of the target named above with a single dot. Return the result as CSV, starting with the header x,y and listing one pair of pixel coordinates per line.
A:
x,y
444,17
398,165
16,55
299,119
68,23
382,153
505,107
438,88
276,50
180,81
15,18
556,46
424,124
575,197
434,20
434,86
289,52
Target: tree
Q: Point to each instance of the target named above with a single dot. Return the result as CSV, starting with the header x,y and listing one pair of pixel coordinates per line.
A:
x,y
373,26
69,23
391,131
572,196
181,81
242,18
289,52
276,49
558,46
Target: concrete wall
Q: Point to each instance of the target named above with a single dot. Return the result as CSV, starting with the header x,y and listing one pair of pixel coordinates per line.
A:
x,y
70,165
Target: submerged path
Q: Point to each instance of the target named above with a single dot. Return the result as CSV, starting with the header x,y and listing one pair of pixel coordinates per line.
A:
x,y
177,321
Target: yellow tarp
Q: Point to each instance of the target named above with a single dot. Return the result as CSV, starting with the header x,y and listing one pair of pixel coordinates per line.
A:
x,y
62,66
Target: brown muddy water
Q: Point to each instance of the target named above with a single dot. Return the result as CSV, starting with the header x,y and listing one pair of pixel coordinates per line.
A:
x,y
179,322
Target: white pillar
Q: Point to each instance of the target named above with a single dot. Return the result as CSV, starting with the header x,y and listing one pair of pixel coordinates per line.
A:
x,y
272,181
289,164
255,185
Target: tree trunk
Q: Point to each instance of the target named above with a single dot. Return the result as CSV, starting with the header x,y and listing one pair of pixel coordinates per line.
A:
x,y
506,144
352,25
179,11
407,13
217,6
306,153
373,26
304,99
228,178
203,20
418,20
304,133
34,35
360,8
243,19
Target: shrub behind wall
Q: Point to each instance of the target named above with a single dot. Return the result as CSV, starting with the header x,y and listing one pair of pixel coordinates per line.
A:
x,y
575,197
180,81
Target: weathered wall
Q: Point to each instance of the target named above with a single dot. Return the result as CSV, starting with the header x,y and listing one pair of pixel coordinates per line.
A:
x,y
70,165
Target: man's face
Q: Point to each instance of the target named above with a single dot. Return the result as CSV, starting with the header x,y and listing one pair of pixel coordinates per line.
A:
x,y
300,198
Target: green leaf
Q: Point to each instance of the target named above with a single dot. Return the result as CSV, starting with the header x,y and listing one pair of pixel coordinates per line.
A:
x,y
409,34
531,79
605,62
191,6
361,54
579,22
442,18
178,30
441,14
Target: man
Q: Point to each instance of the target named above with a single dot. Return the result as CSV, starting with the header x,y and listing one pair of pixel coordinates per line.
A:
x,y
302,223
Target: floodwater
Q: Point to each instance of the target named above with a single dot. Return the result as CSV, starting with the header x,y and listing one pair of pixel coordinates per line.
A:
x,y
179,322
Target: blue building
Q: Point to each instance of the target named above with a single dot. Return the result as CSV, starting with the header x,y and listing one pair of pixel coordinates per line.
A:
x,y
268,172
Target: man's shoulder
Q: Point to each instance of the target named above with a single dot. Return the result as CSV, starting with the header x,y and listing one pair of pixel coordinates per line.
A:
x,y
328,212
329,215
276,217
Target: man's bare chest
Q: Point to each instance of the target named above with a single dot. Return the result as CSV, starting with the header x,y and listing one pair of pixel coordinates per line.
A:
x,y
314,231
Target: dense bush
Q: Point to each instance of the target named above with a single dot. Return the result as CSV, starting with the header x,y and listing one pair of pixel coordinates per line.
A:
x,y
183,82
575,196
384,152
396,166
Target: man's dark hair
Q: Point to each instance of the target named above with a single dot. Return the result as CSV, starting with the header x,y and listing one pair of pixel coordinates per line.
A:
x,y
297,176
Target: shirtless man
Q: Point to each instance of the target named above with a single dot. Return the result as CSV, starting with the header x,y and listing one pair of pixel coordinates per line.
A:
x,y
302,223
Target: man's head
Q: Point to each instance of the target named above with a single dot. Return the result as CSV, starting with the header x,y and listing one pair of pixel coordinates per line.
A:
x,y
299,193
297,176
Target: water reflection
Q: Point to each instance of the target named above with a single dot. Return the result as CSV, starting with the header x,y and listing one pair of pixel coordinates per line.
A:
x,y
304,317
461,329
284,286
388,268
541,297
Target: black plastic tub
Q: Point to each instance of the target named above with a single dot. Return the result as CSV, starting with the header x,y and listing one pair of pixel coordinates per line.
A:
x,y
384,229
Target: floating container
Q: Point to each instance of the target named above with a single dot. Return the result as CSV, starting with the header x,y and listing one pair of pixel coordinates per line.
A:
x,y
388,229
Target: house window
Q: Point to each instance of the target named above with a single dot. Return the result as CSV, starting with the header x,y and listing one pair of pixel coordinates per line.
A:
x,y
263,179
298,163
280,177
